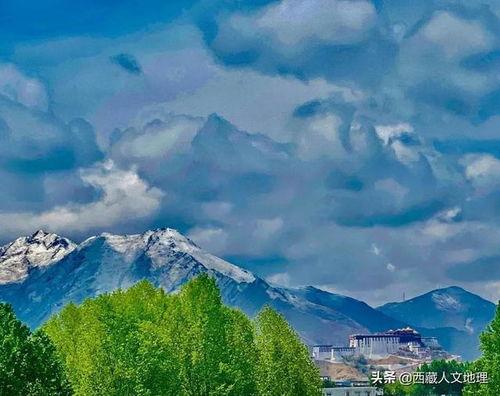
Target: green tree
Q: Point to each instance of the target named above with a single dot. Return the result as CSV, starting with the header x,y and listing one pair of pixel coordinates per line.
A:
x,y
285,366
29,364
113,344
215,344
442,368
396,389
447,387
144,342
489,362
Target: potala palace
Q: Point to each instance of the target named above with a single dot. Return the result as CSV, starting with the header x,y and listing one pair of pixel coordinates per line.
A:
x,y
402,342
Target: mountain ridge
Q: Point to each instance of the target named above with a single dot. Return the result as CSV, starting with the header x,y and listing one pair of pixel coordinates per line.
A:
x,y
451,306
66,272
168,259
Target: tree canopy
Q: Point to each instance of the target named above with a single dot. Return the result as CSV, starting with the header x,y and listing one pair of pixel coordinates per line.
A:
x,y
29,364
144,342
489,362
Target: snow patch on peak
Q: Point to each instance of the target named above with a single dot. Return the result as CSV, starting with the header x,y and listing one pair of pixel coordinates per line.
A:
x,y
162,244
446,302
468,325
172,239
41,249
169,236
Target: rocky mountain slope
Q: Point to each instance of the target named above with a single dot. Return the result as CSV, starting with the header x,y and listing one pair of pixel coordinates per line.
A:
x,y
41,249
164,257
41,273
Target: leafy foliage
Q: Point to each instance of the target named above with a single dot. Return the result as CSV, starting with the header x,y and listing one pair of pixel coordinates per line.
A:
x,y
28,362
490,361
144,342
283,357
441,368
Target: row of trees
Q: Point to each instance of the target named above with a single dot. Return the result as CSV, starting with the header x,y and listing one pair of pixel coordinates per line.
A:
x,y
489,362
145,342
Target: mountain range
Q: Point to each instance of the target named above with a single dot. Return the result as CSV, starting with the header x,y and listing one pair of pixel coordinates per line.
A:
x,y
41,273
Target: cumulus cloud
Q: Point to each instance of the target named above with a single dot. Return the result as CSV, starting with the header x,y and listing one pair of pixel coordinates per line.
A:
x,y
213,239
21,89
359,142
125,197
457,37
333,21
409,56
156,140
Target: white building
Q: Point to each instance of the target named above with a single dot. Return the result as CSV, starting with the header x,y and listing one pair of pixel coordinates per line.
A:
x,y
339,353
375,345
352,391
379,345
322,352
330,352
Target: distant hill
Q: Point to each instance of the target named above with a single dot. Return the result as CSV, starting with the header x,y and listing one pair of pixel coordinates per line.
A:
x,y
453,314
374,320
448,307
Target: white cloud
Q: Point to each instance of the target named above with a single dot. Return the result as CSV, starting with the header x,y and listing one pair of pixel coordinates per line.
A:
x,y
281,279
482,167
334,21
266,228
388,132
375,249
213,240
159,139
391,267
125,197
217,209
26,91
456,36
322,138
435,51
265,106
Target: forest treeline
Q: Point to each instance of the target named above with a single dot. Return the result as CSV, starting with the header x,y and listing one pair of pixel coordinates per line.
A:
x,y
143,341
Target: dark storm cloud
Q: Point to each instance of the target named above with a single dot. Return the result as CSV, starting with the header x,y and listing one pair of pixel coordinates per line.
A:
x,y
482,269
402,46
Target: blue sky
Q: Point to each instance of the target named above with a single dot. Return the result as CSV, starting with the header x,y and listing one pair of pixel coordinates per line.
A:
x,y
349,144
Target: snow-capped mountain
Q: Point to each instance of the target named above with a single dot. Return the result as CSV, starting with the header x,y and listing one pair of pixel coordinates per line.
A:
x,y
41,273
38,250
168,259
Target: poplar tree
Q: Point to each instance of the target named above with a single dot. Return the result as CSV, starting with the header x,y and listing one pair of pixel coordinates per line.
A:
x,y
285,366
489,362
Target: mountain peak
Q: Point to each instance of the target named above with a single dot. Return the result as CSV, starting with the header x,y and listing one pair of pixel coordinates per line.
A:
x,y
451,306
39,234
453,289
168,234
40,249
162,245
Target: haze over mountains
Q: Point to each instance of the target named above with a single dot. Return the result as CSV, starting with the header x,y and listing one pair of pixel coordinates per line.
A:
x,y
42,273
